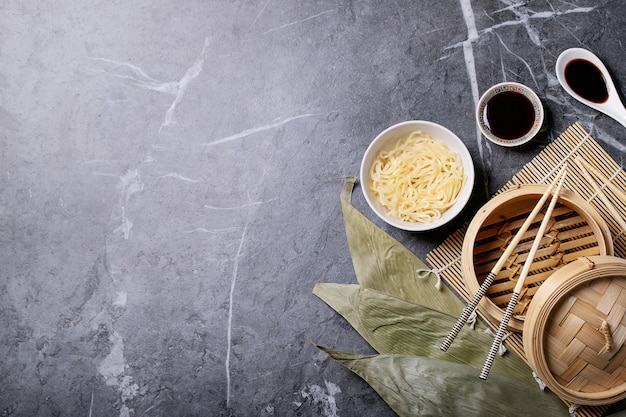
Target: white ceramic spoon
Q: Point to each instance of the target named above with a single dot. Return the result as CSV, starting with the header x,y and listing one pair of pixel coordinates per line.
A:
x,y
613,106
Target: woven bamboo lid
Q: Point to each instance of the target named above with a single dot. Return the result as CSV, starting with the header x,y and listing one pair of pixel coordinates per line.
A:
x,y
577,230
575,330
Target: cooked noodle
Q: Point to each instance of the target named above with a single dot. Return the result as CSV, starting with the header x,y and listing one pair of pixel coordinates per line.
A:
x,y
418,180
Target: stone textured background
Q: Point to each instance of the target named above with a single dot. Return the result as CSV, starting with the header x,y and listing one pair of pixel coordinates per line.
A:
x,y
169,191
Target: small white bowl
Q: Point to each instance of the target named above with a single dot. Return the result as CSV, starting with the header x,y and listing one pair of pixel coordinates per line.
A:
x,y
511,110
387,140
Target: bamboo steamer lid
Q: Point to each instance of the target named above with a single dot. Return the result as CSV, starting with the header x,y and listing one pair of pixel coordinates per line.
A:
x,y
577,230
575,330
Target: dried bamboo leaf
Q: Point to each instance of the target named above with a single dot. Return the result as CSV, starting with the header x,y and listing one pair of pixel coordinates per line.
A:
x,y
419,386
384,264
395,326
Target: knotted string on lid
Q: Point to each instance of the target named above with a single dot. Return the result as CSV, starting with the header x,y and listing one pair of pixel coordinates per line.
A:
x,y
572,409
501,349
425,273
542,385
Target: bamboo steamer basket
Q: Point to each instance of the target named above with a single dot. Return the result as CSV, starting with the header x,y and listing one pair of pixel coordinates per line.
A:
x,y
577,230
575,331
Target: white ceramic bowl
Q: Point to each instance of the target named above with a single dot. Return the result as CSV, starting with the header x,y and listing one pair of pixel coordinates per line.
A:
x,y
506,87
387,140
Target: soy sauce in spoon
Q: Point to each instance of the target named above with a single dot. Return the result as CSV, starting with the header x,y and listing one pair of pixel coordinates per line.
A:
x,y
586,80
585,77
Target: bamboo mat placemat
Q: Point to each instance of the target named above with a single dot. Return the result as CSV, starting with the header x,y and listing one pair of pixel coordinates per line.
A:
x,y
574,142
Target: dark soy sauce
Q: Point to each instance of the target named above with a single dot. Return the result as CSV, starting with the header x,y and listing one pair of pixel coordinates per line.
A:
x,y
586,80
510,115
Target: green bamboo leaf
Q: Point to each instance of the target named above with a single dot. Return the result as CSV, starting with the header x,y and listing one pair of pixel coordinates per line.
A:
x,y
384,264
395,326
419,386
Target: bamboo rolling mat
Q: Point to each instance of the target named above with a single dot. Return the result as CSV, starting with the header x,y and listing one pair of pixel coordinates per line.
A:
x,y
574,143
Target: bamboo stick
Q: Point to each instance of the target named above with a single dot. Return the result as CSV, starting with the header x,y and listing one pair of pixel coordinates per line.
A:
x,y
520,282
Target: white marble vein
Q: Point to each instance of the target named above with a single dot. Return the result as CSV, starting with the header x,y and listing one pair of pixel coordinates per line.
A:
x,y
522,60
470,65
183,84
91,404
177,176
470,21
261,11
138,77
510,7
297,22
114,364
251,204
216,231
231,298
126,225
248,132
129,185
522,16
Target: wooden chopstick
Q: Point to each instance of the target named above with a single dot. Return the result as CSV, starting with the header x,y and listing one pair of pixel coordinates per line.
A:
x,y
471,307
520,281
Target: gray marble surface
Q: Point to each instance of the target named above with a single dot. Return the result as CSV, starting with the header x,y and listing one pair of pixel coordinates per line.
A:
x,y
168,191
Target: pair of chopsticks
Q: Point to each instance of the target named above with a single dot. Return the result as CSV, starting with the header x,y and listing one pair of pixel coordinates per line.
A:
x,y
520,283
471,307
